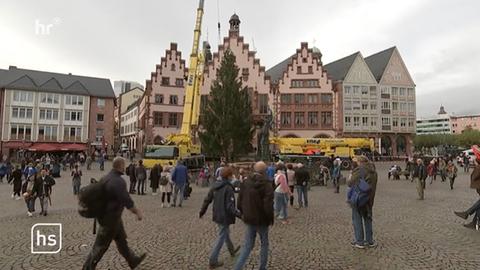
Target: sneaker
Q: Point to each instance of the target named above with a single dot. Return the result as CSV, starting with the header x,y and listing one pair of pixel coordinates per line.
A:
x,y
179,205
357,245
463,215
29,214
216,265
470,225
371,245
18,198
13,196
163,206
137,261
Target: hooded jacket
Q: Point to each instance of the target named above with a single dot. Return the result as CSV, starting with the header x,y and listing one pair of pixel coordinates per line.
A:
x,y
255,200
370,175
223,197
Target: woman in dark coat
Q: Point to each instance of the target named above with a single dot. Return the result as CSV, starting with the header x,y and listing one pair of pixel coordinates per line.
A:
x,y
155,177
16,178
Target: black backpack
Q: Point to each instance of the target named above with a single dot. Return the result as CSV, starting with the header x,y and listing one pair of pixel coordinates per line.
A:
x,y
92,200
163,180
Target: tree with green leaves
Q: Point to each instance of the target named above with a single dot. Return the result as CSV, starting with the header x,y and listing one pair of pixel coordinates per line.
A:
x,y
227,123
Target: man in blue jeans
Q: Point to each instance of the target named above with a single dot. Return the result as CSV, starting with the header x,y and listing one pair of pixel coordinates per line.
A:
x,y
362,217
255,202
179,178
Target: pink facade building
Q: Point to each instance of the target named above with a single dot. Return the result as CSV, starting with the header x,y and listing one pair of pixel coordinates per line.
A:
x,y
460,123
304,97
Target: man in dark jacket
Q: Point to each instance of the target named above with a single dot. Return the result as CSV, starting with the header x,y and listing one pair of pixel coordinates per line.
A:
x,y
133,180
362,216
224,212
420,175
255,202
302,177
44,190
141,176
110,223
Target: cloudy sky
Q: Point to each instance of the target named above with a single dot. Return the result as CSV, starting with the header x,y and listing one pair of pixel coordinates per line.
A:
x,y
123,40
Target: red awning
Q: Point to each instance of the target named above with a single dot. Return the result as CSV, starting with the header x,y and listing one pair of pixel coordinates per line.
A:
x,y
52,147
16,145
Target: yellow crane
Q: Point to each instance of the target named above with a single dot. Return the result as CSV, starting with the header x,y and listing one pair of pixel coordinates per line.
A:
x,y
183,145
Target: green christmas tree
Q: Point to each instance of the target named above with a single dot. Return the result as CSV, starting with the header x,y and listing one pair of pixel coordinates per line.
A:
x,y
227,124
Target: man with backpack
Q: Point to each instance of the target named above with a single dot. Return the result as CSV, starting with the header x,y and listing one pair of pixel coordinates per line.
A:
x,y
108,213
363,185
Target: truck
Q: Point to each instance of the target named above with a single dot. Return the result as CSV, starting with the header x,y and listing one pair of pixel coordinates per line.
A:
x,y
344,148
182,146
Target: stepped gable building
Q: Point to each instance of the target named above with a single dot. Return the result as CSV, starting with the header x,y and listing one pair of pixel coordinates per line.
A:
x,y
356,91
253,75
396,101
161,111
304,98
46,111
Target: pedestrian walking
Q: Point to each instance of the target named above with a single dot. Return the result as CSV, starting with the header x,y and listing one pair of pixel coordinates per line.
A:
x,y
166,185
420,175
27,190
76,179
282,193
140,176
336,175
110,220
255,202
442,169
44,190
362,215
155,178
451,173
431,171
16,180
3,171
302,177
179,178
466,162
89,162
224,213
291,181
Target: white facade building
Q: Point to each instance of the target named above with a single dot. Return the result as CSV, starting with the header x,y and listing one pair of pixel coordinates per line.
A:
x,y
129,126
439,124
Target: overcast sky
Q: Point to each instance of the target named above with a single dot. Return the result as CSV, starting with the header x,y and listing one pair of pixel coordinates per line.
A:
x,y
439,40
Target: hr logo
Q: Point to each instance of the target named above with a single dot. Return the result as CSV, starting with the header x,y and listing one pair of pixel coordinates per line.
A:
x,y
46,238
44,29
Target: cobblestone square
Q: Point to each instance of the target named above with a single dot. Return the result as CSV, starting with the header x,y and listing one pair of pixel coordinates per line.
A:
x,y
411,234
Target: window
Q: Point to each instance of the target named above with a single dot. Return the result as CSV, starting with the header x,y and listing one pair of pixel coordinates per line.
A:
x,y
48,114
172,119
326,98
356,121
299,119
304,60
47,133
356,90
373,121
245,74
385,105
73,116
21,132
348,105
348,90
326,118
364,90
410,122
312,98
304,83
49,98
395,106
74,100
173,100
373,91
411,107
72,134
99,134
299,70
403,92
356,105
403,107
23,96
313,118
364,106
172,67
179,82
348,120
395,122
101,102
159,99
22,113
373,106
385,121
299,99
365,121
310,69
285,99
100,117
158,119
403,122
286,118
263,103
385,90
410,92
165,81
394,91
